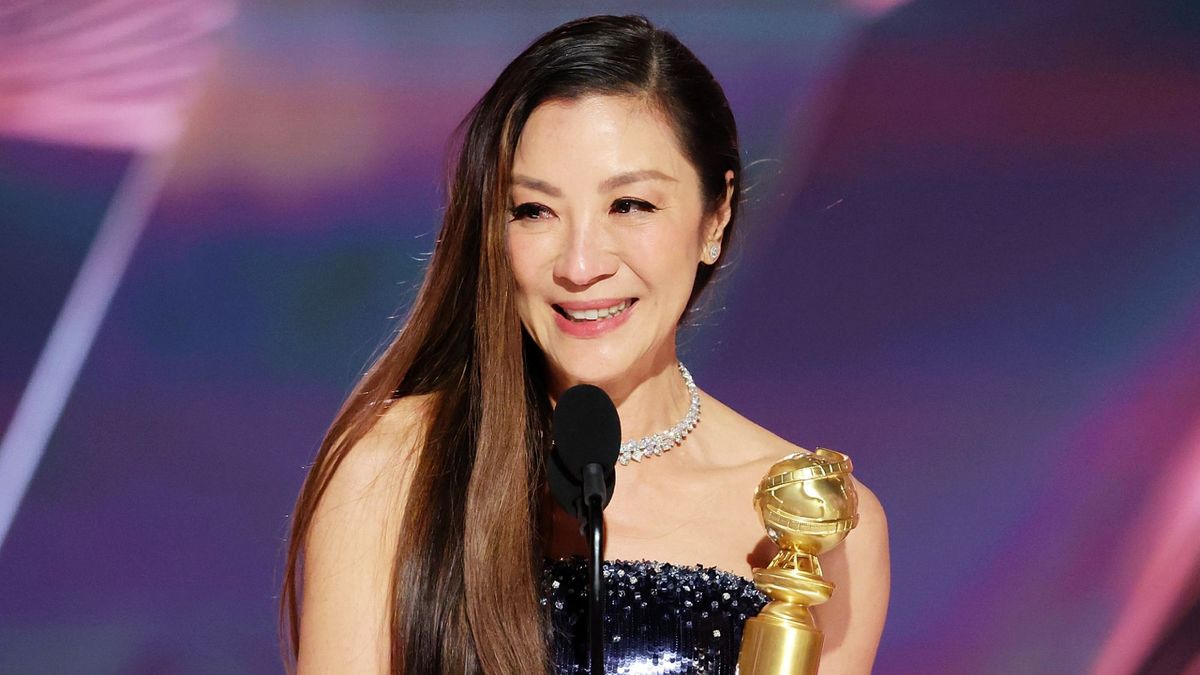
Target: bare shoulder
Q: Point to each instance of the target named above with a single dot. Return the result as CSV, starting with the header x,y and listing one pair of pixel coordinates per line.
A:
x,y
754,445
866,548
400,427
351,546
376,468
872,520
854,616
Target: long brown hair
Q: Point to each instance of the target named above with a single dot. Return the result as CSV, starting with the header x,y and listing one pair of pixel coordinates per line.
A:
x,y
469,553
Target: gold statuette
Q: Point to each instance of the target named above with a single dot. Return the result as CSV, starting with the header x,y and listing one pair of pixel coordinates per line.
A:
x,y
808,505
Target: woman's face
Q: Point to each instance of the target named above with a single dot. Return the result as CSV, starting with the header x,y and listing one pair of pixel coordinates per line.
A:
x,y
604,237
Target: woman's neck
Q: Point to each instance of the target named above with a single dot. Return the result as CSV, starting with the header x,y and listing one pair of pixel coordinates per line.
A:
x,y
648,399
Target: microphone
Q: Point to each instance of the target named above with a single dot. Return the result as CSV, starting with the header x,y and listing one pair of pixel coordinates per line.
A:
x,y
587,439
582,475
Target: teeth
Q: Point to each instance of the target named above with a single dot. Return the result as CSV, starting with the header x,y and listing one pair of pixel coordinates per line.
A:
x,y
597,314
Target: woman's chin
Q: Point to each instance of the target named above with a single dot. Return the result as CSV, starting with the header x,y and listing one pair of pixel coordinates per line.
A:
x,y
600,370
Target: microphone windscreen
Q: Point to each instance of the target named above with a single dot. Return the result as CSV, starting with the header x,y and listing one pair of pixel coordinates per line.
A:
x,y
568,493
586,430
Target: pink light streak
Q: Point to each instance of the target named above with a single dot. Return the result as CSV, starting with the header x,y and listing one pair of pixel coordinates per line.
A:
x,y
110,73
874,8
107,73
1164,542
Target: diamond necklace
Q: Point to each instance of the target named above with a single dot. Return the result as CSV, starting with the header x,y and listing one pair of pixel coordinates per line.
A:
x,y
656,444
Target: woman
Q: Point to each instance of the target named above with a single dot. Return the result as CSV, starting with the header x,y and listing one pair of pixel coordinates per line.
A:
x,y
594,194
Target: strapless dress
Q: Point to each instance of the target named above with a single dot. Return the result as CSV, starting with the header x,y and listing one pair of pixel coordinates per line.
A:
x,y
660,618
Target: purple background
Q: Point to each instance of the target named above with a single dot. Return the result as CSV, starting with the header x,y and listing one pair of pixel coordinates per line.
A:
x,y
971,260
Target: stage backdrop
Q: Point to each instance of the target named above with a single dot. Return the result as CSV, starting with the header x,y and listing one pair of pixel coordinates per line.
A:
x,y
970,258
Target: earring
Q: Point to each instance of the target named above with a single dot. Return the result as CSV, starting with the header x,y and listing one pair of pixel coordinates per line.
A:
x,y
714,250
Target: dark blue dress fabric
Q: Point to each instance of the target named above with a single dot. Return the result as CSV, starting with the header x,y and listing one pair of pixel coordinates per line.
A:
x,y
660,619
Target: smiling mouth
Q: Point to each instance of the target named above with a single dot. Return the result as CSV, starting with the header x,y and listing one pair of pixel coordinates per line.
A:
x,y
598,314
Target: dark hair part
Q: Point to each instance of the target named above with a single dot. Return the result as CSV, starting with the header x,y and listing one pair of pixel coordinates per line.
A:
x,y
464,596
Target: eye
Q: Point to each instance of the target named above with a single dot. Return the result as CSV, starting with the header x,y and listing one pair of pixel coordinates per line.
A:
x,y
624,205
527,210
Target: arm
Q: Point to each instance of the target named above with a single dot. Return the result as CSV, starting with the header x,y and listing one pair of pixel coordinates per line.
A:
x,y
853,618
345,612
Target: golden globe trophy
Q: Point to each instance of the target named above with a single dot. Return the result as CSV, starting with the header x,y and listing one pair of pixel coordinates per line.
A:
x,y
807,504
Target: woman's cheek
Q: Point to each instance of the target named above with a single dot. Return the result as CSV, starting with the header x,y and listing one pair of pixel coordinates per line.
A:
x,y
519,249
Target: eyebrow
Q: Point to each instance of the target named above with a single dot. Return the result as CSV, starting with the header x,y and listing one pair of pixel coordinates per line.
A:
x,y
609,184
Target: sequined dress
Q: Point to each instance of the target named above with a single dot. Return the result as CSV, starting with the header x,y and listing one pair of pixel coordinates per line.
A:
x,y
660,619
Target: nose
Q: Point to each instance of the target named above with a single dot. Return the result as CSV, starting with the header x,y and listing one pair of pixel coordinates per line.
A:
x,y
587,256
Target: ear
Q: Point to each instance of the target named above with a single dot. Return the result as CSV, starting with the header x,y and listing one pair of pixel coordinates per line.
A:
x,y
714,227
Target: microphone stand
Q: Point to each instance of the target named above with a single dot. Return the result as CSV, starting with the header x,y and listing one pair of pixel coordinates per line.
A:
x,y
593,506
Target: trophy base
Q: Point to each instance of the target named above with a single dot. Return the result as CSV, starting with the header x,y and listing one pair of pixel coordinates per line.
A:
x,y
775,646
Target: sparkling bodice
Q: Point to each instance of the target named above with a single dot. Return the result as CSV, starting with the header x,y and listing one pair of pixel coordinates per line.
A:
x,y
660,619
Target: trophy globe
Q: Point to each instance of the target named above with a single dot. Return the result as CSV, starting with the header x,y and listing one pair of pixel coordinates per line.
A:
x,y
808,505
